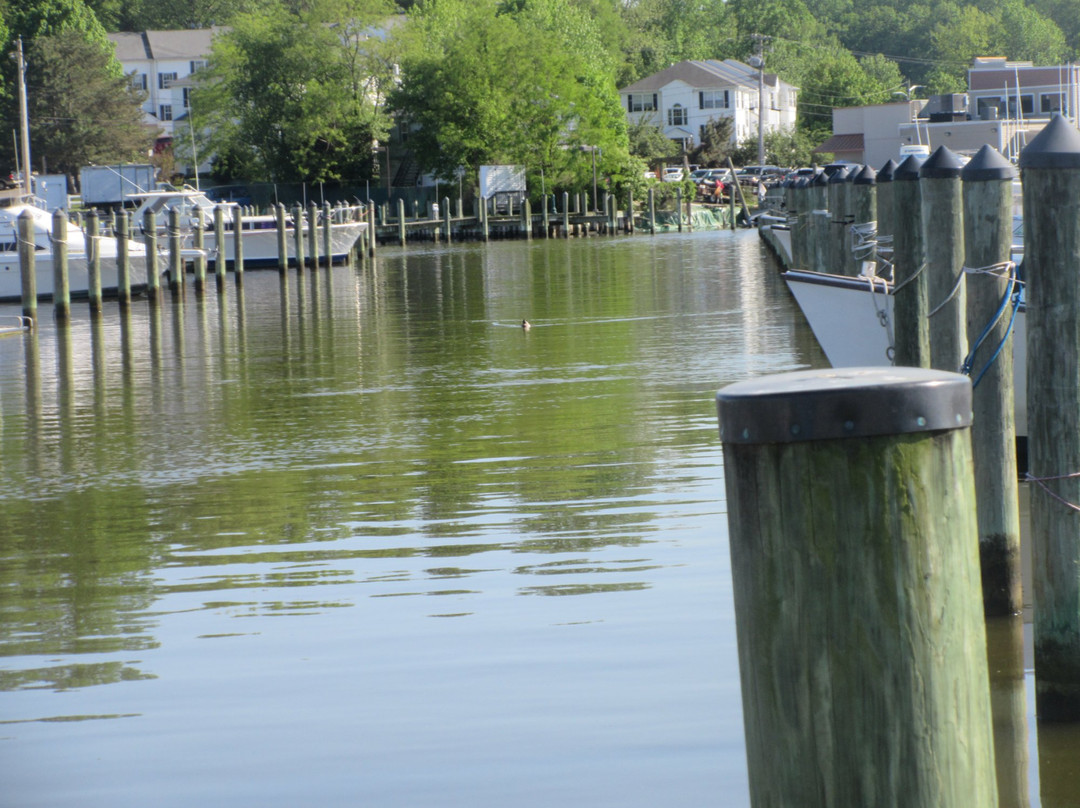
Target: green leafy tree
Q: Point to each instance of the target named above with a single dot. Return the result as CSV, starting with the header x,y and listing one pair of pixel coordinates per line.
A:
x,y
295,95
716,143
80,112
648,141
530,84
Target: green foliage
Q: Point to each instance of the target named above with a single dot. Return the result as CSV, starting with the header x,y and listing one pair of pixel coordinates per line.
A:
x,y
292,96
80,112
716,143
647,141
786,148
529,84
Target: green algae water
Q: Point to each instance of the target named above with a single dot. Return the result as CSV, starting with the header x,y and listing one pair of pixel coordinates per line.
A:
x,y
357,538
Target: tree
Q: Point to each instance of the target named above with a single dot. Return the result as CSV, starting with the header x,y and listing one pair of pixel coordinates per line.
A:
x,y
716,143
648,141
530,84
80,113
296,95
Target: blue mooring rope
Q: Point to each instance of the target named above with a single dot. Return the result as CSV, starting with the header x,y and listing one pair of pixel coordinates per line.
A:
x,y
1012,293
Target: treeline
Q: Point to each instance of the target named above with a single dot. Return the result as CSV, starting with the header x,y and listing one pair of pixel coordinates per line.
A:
x,y
300,90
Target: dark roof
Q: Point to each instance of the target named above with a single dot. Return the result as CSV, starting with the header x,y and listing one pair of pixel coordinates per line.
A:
x,y
703,73
842,143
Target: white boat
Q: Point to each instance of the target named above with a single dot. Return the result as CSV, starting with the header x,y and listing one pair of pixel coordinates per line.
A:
x,y
852,320
78,263
260,235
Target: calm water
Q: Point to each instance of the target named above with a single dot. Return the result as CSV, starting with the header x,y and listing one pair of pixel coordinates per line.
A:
x,y
359,539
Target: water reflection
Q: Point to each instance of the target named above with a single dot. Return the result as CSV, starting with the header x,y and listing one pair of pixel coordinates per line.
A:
x,y
286,485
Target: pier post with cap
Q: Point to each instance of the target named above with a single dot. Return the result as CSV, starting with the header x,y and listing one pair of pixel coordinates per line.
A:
x,y
862,203
861,640
992,298
298,236
176,260
943,239
93,260
885,213
1050,174
238,244
327,235
282,238
27,265
910,298
61,281
123,259
221,255
199,243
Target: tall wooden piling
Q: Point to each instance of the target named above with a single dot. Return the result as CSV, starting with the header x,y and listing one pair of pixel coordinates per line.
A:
x,y
327,235
678,208
93,259
566,214
176,260
1050,173
862,648
526,219
886,218
221,255
910,306
313,234
282,238
630,210
200,248
61,282
298,236
371,231
651,203
943,240
836,193
987,197
123,259
401,222
238,244
863,205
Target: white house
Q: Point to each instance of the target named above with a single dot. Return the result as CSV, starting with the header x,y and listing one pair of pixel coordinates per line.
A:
x,y
686,96
161,63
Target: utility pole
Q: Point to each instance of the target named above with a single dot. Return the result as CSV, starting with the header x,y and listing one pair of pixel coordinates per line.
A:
x,y
24,118
758,61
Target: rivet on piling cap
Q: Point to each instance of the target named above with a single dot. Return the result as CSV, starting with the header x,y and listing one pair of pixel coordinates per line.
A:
x,y
843,403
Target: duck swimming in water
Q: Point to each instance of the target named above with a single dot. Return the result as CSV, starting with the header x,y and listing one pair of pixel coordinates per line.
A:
x,y
526,325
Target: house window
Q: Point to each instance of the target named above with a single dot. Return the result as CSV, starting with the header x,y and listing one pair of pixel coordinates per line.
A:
x,y
1051,102
165,80
713,99
641,102
676,116
187,98
138,81
197,65
165,112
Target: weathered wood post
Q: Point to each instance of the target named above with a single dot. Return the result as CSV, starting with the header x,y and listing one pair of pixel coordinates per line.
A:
x,y
176,260
630,211
61,284
794,201
27,266
221,254
863,206
566,214
313,234
862,648
836,191
93,259
282,238
153,279
547,219
327,235
678,207
200,247
943,237
401,222
298,236
910,299
526,216
886,218
447,220
238,244
371,232
651,204
1050,174
987,234
123,260
818,223
1008,702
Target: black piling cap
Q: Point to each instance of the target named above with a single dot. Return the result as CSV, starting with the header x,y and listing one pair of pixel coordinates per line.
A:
x,y
865,177
843,403
908,170
943,164
838,176
887,172
821,178
1056,146
988,164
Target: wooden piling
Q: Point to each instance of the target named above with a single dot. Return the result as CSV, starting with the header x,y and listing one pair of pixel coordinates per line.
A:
x,y
836,191
327,235
910,299
943,240
123,260
630,211
282,238
200,246
862,647
987,198
221,255
885,212
298,236
93,259
862,203
566,214
61,282
238,244
371,231
651,203
526,218
1050,173
401,222
176,260
313,235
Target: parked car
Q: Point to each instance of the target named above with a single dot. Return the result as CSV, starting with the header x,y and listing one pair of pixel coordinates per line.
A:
x,y
751,175
672,174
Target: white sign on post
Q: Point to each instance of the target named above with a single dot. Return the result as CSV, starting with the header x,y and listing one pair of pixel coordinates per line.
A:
x,y
501,179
